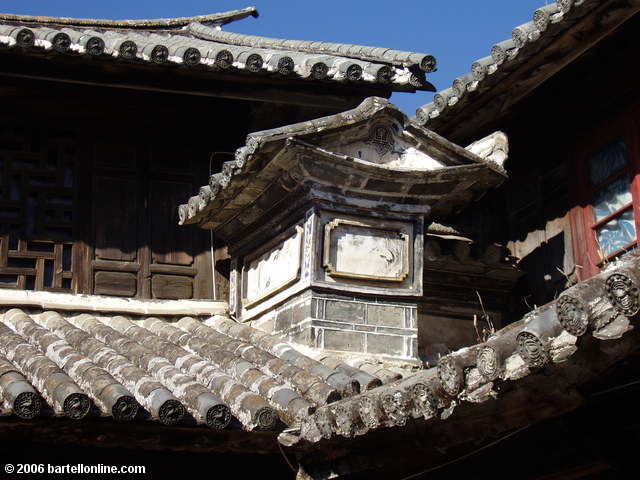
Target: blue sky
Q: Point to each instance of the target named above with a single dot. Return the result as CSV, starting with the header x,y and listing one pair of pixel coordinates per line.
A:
x,y
456,31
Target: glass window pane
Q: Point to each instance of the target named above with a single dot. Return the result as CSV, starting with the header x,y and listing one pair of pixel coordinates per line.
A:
x,y
616,233
610,160
611,198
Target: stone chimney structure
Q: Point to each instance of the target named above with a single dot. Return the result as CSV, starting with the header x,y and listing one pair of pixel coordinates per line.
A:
x,y
325,221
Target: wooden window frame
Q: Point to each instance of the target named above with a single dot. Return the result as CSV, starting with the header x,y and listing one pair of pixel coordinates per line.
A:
x,y
587,253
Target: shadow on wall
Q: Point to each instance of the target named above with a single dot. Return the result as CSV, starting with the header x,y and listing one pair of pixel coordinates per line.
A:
x,y
545,279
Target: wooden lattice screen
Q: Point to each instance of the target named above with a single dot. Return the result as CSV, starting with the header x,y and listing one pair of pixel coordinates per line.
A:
x,y
37,172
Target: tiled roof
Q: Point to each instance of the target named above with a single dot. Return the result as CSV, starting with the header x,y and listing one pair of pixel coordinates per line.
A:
x,y
192,372
198,42
546,31
602,307
79,365
221,18
224,186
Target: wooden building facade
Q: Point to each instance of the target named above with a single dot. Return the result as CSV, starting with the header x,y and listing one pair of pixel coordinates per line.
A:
x,y
107,126
570,110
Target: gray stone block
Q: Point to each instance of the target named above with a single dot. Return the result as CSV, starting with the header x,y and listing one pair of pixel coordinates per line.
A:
x,y
385,315
343,340
413,347
304,337
395,331
300,312
385,344
318,333
344,311
283,319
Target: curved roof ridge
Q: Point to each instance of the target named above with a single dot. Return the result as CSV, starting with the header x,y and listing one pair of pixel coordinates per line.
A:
x,y
425,62
220,18
223,187
179,47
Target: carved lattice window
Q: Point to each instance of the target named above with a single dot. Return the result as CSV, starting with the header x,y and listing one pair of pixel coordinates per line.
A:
x,y
37,173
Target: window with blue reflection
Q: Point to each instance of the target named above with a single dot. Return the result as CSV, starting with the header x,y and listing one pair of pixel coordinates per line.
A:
x,y
611,198
617,233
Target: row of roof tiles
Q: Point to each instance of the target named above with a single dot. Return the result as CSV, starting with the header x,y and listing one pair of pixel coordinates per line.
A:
x,y
222,186
186,372
218,19
207,373
200,45
602,306
526,39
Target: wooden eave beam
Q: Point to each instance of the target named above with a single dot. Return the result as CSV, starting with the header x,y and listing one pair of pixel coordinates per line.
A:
x,y
180,81
147,436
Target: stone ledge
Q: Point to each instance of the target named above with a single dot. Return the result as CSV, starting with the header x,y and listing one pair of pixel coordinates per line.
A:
x,y
99,303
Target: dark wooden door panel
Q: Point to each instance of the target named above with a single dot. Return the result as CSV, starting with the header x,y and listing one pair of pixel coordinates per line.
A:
x,y
122,284
112,156
115,218
138,250
170,244
93,216
171,287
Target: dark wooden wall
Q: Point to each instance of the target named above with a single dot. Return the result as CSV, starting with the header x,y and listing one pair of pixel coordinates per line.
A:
x,y
93,215
91,176
37,178
547,132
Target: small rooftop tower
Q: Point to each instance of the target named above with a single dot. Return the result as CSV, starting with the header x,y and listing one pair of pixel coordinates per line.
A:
x,y
325,219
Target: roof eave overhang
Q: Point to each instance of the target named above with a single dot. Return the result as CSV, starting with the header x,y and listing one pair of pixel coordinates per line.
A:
x,y
479,99
269,154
